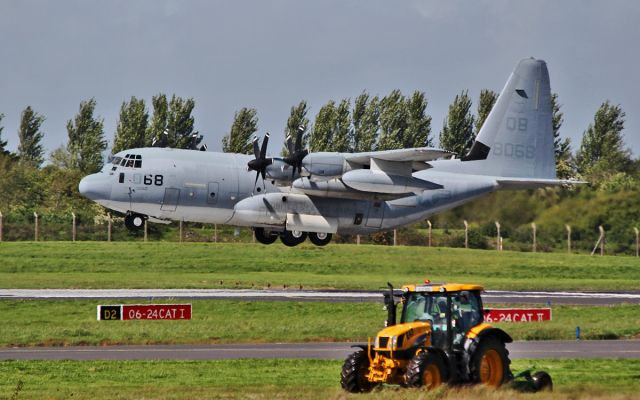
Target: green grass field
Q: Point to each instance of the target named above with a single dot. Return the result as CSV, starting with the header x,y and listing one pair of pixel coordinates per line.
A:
x,y
280,379
200,265
64,322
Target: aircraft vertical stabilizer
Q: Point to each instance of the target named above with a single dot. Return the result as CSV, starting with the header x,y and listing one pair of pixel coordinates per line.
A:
x,y
516,140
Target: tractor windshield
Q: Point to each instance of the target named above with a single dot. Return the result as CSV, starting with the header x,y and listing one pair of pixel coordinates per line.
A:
x,y
430,307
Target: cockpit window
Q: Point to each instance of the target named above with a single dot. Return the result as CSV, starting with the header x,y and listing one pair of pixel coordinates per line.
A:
x,y
116,160
130,160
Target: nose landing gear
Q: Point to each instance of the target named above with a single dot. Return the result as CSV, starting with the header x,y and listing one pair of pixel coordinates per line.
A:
x,y
134,222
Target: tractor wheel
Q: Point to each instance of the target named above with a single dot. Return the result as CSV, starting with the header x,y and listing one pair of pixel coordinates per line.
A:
x,y
354,373
542,381
426,370
293,238
320,239
490,363
265,237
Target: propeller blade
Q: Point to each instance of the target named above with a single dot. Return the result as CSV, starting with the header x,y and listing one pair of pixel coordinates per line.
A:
x,y
299,138
263,151
290,145
256,149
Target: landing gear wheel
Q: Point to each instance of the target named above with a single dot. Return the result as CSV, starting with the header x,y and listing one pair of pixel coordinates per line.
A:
x,y
542,381
319,238
134,222
490,363
355,369
265,237
426,370
293,238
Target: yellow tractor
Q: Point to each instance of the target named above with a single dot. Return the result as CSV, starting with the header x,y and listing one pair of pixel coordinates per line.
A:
x,y
441,338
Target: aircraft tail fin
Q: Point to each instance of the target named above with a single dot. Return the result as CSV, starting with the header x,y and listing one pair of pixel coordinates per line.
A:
x,y
516,139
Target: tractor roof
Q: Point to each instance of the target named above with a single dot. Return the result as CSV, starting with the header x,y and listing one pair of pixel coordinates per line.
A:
x,y
441,287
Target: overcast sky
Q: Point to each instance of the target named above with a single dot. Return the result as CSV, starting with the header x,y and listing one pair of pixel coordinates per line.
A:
x,y
271,54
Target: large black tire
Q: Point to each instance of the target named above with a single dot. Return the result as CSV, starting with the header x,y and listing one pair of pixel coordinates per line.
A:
x,y
355,369
542,381
134,222
320,239
265,237
292,238
426,370
490,363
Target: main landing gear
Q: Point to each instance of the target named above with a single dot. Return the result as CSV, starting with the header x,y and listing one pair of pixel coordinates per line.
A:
x,y
291,238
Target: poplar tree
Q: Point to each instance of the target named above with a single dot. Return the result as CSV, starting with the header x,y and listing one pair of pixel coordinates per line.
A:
x,y
366,122
602,147
562,147
322,132
131,131
3,143
419,122
159,118
30,149
393,121
485,104
180,122
457,131
239,138
342,133
86,139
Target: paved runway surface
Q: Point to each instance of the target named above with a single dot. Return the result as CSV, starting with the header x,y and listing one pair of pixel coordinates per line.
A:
x,y
543,349
491,296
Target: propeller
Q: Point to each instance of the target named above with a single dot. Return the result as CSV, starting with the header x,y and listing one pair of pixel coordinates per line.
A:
x,y
163,141
261,162
296,152
195,139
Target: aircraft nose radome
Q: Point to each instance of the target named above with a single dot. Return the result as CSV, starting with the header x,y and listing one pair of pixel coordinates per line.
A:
x,y
95,187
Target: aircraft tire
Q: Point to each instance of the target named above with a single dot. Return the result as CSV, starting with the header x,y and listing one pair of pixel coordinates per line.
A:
x,y
320,239
292,238
265,237
134,222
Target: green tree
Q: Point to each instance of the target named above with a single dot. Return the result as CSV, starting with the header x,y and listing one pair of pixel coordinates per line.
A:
x,y
86,139
366,122
322,132
132,126
158,123
394,118
180,122
603,150
297,119
485,104
244,126
457,131
565,167
342,133
3,143
419,123
30,149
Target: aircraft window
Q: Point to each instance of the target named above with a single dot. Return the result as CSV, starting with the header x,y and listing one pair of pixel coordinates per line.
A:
x,y
138,164
127,156
121,177
123,162
116,160
129,163
138,157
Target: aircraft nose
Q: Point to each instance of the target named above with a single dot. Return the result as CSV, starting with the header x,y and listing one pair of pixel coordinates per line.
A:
x,y
95,187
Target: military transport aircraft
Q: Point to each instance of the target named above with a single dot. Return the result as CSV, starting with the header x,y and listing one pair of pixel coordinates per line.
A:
x,y
315,195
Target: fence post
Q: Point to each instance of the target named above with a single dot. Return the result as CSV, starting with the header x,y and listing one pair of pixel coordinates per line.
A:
x,y
395,237
498,237
358,240
180,231
215,233
535,244
466,234
0,226
600,242
568,238
634,229
35,232
109,227
429,223
73,227
145,230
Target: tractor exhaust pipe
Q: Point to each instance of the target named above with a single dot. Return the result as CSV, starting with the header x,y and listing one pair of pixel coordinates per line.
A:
x,y
390,305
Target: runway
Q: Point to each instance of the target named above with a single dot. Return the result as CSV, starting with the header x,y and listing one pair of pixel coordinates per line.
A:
x,y
489,297
332,351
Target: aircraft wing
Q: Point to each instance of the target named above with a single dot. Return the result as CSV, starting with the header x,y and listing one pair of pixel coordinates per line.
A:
x,y
415,154
528,183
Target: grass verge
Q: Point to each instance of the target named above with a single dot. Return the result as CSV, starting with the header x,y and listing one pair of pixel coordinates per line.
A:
x,y
70,322
201,265
281,379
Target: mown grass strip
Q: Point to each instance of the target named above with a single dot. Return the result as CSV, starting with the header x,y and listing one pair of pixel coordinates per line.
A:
x,y
70,322
201,265
280,379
